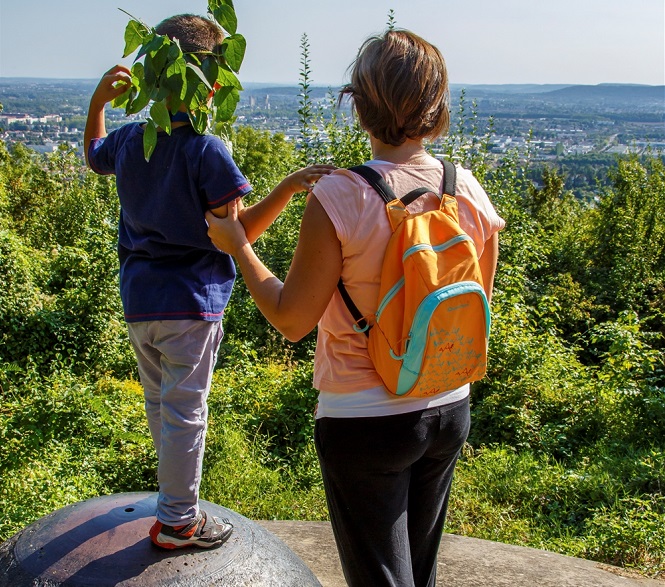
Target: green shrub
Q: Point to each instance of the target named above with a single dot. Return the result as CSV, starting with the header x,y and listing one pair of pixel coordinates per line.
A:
x,y
64,439
272,400
591,508
239,475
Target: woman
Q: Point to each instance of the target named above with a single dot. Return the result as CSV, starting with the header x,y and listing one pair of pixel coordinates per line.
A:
x,y
387,462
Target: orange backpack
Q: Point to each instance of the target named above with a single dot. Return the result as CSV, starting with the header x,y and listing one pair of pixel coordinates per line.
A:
x,y
431,328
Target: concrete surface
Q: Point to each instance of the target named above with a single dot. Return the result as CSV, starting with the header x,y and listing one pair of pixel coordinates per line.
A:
x,y
103,542
465,562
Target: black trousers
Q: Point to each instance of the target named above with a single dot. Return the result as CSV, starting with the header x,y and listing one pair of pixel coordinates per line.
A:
x,y
387,482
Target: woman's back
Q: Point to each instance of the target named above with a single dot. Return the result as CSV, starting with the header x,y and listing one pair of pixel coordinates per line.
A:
x,y
342,365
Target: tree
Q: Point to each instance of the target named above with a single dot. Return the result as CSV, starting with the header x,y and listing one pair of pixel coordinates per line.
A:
x,y
627,240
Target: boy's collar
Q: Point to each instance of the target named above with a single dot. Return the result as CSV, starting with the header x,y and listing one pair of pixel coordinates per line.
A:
x,y
179,117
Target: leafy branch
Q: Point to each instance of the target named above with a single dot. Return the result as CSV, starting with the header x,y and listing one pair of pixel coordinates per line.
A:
x,y
391,20
205,83
306,109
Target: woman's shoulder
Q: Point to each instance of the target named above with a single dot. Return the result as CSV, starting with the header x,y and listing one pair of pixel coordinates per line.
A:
x,y
471,194
340,177
467,185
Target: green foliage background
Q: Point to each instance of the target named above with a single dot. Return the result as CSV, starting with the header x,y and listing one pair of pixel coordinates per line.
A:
x,y
567,448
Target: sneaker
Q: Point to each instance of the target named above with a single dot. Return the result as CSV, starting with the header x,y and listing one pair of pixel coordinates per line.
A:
x,y
204,532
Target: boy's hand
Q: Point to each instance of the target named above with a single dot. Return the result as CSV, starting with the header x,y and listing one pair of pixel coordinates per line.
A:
x,y
113,83
228,233
304,179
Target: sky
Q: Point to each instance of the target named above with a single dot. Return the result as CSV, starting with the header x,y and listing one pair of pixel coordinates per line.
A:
x,y
483,41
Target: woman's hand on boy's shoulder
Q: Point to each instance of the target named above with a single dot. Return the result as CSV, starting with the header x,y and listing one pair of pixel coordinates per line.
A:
x,y
304,179
226,230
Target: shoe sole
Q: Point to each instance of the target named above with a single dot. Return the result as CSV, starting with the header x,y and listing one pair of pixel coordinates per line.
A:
x,y
171,543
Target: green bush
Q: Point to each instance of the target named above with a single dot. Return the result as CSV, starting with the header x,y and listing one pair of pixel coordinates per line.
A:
x,y
580,509
59,300
64,439
272,400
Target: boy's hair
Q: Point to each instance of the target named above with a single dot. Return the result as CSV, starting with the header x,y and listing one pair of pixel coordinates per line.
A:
x,y
195,34
399,88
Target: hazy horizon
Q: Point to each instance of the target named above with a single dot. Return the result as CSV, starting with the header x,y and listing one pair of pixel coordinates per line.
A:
x,y
295,83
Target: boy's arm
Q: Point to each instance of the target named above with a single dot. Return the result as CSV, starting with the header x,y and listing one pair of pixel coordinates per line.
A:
x,y
296,305
258,217
113,84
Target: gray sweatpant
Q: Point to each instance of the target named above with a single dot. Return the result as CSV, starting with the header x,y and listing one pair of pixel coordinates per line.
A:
x,y
176,359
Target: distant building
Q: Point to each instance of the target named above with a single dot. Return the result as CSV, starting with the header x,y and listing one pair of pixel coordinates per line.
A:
x,y
27,119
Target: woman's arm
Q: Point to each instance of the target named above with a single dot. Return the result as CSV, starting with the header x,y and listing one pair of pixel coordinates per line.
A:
x,y
257,218
487,262
295,306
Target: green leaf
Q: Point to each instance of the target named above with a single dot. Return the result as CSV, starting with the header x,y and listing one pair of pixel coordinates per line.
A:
x,y
227,19
121,100
199,74
215,4
175,52
159,58
199,121
210,70
158,44
158,53
174,101
233,49
149,139
144,90
138,73
197,94
225,101
141,100
151,45
174,77
160,114
225,77
136,34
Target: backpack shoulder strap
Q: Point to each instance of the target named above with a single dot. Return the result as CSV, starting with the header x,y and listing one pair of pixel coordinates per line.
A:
x,y
361,325
374,179
384,190
415,194
449,177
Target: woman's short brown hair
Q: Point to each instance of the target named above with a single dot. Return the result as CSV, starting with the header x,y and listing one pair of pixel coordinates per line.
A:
x,y
399,88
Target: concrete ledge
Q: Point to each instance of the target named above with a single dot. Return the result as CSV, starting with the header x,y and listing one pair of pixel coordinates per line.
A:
x,y
465,562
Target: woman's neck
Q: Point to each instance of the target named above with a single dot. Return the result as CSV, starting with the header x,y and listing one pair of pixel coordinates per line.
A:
x,y
409,152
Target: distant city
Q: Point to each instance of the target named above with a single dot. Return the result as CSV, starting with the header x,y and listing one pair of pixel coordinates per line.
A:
x,y
555,121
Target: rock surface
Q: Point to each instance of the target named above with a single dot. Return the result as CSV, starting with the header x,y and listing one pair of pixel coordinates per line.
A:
x,y
465,562
104,542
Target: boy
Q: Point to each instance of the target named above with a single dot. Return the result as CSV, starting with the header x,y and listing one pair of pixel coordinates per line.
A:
x,y
174,283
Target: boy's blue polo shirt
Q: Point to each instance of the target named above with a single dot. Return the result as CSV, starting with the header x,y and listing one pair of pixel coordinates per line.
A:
x,y
169,268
